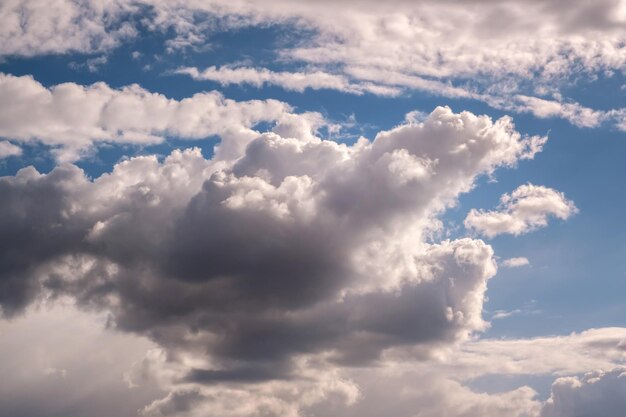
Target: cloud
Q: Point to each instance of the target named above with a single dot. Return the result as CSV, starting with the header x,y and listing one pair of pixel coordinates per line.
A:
x,y
296,81
36,27
270,267
400,385
72,118
112,374
488,51
573,112
566,355
502,314
526,209
65,362
8,149
596,393
515,262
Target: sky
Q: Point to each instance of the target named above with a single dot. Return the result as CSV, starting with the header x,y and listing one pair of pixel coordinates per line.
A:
x,y
312,208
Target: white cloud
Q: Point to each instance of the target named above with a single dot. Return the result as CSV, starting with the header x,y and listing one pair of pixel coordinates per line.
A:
x,y
296,81
503,314
73,118
483,50
572,354
8,149
402,386
599,393
573,112
515,262
527,208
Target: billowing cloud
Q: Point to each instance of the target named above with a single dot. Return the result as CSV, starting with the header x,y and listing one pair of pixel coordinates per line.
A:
x,y
401,386
299,250
596,393
527,208
515,262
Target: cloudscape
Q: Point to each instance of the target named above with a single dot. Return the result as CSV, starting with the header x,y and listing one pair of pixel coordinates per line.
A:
x,y
295,208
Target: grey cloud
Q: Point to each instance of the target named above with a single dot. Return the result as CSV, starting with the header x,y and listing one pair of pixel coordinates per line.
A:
x,y
34,214
299,248
60,362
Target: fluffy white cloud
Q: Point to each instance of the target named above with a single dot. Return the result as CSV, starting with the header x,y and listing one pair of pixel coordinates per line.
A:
x,y
524,210
515,262
73,118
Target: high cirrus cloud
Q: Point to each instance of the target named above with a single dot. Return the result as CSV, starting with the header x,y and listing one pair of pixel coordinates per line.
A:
x,y
527,208
300,249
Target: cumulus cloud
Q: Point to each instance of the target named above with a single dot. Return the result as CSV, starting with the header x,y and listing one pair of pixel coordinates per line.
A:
x,y
72,118
526,209
596,393
515,262
298,250
127,374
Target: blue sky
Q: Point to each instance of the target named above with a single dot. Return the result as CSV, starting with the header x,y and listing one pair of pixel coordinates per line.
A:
x,y
316,74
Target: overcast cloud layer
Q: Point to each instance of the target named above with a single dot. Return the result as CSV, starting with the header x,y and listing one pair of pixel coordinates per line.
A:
x,y
293,269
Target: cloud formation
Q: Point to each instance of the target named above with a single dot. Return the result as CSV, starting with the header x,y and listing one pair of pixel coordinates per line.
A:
x,y
596,393
299,249
73,118
526,209
483,50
